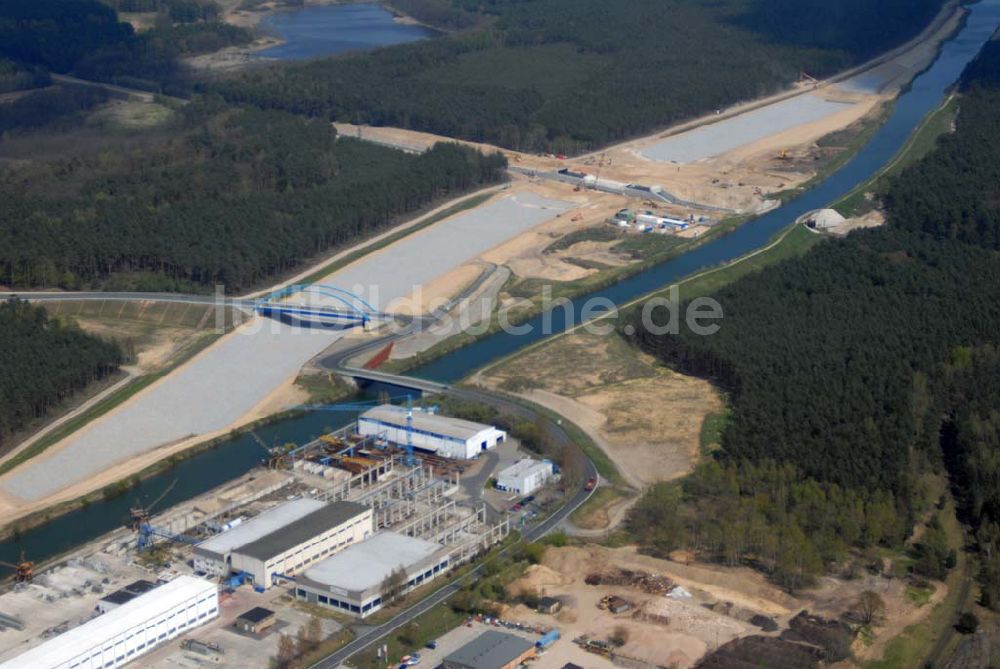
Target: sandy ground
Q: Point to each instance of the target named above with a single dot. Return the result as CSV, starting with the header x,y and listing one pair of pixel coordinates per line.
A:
x,y
730,161
872,219
241,377
644,416
740,166
222,384
690,629
714,139
835,596
470,315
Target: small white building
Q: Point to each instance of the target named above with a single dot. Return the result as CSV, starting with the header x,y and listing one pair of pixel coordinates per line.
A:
x,y
525,476
285,539
136,627
352,581
443,435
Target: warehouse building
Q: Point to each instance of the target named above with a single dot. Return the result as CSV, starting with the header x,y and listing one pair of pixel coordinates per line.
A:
x,y
491,650
443,435
525,476
284,540
136,627
353,581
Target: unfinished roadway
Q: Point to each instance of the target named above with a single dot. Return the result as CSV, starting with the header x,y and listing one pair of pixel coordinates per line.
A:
x,y
223,385
227,383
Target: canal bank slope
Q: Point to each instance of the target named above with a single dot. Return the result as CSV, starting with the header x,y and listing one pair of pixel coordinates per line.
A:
x,y
66,480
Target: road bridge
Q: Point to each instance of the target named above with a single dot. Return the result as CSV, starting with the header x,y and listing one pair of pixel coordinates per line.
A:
x,y
351,309
562,439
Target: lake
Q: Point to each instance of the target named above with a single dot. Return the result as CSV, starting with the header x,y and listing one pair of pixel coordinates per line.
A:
x,y
327,30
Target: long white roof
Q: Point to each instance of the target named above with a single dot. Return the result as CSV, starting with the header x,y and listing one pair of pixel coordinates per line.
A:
x,y
261,526
365,565
448,426
129,615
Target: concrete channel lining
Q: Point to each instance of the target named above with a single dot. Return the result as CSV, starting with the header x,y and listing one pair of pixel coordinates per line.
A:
x,y
225,382
715,138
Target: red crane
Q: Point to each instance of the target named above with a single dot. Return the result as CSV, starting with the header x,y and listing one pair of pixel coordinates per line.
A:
x,y
24,570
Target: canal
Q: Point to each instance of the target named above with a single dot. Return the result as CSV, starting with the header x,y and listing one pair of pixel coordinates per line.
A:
x,y
211,468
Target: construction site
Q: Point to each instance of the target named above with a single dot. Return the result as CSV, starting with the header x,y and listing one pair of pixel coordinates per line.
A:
x,y
262,539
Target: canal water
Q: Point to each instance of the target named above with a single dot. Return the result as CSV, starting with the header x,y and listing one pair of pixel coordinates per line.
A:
x,y
925,94
235,457
328,30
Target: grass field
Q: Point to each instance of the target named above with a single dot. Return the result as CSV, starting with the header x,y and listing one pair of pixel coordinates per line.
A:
x,y
593,514
919,145
926,643
711,431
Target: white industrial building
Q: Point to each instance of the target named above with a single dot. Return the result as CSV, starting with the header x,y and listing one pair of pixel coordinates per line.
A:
x,y
127,631
442,435
525,476
352,581
284,540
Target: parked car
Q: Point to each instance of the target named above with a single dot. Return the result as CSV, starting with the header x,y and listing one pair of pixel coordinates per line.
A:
x,y
432,644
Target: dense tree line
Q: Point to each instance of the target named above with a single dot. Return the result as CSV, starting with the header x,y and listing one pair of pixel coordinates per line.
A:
x,y
789,525
862,362
150,60
438,13
17,77
57,33
235,198
86,38
862,28
568,75
42,362
180,11
64,104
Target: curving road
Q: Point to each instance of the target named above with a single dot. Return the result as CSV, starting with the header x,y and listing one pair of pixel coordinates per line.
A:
x,y
559,436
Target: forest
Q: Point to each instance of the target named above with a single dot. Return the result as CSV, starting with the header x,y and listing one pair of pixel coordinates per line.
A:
x,y
51,107
863,365
232,197
17,77
565,76
43,362
85,37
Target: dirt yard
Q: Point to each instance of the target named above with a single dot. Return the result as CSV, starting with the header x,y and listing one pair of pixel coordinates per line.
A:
x,y
646,417
739,179
660,629
716,604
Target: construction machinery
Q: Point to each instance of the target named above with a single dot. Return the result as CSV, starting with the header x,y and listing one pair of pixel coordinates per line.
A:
x,y
139,522
357,407
784,155
24,570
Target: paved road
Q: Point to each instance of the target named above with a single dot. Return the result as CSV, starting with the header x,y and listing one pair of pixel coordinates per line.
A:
x,y
561,438
62,296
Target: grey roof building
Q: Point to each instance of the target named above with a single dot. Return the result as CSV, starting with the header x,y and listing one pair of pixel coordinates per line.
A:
x,y
491,650
285,539
352,581
301,530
